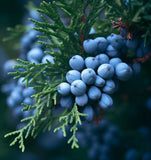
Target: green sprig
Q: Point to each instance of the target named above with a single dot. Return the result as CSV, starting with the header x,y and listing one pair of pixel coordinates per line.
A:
x,y
73,117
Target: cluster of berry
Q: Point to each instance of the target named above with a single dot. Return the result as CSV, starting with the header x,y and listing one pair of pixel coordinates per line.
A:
x,y
16,90
102,147
92,80
133,153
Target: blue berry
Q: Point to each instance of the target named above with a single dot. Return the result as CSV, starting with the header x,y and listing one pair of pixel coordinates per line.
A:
x,y
64,88
139,52
92,31
109,87
8,66
115,61
10,102
81,100
35,55
94,93
123,71
88,76
28,101
146,48
78,87
27,92
102,44
132,44
102,58
73,75
124,32
76,62
106,71
99,82
146,156
91,62
105,101
111,51
117,42
20,82
131,154
16,96
48,58
136,68
90,46
110,37
67,101
88,110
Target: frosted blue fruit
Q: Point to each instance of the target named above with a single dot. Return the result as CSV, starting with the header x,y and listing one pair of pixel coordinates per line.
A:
x,y
35,54
131,154
8,66
110,139
91,62
115,61
117,42
110,37
109,87
105,101
127,3
99,81
48,58
20,82
7,88
28,101
10,102
34,14
148,103
124,32
132,44
27,92
90,46
88,76
139,52
78,87
106,71
34,61
76,34
16,112
102,44
102,58
64,88
76,62
123,71
146,156
16,96
111,51
73,75
90,113
67,101
94,93
27,114
81,100
92,30
136,68
146,48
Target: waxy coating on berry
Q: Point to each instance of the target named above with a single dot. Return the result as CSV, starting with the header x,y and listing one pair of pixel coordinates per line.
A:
x,y
81,100
88,76
64,88
94,93
73,75
76,62
105,101
106,71
78,87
